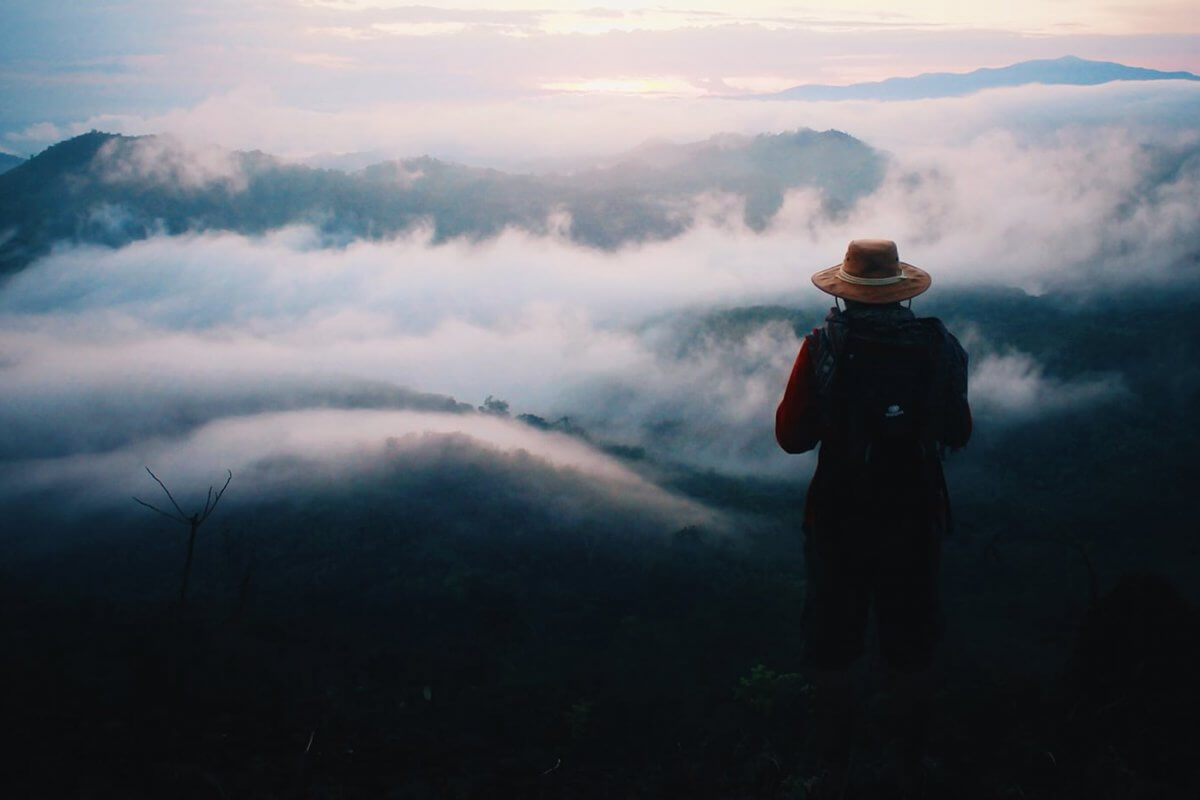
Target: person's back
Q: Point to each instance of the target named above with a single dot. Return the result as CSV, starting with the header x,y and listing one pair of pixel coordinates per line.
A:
x,y
888,396
883,393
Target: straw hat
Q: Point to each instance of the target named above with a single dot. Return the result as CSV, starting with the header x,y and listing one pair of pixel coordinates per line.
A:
x,y
872,272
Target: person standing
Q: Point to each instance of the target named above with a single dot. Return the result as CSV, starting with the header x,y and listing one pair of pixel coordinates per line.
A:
x,y
884,394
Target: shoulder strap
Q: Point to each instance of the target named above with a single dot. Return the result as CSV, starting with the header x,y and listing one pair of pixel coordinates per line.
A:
x,y
829,341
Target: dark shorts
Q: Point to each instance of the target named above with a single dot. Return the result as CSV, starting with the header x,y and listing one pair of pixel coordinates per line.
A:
x,y
852,566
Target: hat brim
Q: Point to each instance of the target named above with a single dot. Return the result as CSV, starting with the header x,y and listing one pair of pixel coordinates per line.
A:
x,y
916,280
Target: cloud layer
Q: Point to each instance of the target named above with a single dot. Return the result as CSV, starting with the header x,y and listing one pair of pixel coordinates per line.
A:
x,y
217,350
525,131
277,456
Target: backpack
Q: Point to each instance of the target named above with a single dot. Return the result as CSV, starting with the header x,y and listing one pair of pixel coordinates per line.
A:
x,y
881,390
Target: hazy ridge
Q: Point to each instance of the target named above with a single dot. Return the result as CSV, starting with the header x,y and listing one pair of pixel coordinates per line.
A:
x,y
1068,71
108,189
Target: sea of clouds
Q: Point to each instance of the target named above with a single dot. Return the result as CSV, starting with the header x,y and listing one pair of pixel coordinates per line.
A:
x,y
213,351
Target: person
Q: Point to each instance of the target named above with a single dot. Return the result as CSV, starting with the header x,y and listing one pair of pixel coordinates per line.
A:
x,y
884,394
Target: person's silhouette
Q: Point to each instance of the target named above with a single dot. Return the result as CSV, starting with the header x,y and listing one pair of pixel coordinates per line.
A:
x,y
884,393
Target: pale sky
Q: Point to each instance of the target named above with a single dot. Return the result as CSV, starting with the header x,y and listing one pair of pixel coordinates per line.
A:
x,y
67,66
1024,16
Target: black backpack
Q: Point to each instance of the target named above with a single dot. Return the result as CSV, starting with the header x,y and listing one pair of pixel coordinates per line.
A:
x,y
882,390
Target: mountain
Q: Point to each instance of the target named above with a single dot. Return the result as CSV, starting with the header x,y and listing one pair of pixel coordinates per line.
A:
x,y
1068,70
107,189
7,162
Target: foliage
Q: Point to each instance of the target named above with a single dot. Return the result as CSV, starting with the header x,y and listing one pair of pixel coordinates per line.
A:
x,y
769,692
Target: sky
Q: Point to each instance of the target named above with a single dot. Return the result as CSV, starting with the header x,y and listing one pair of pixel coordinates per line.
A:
x,y
300,77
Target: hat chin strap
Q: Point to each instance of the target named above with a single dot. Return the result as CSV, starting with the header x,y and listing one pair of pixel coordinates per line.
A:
x,y
888,281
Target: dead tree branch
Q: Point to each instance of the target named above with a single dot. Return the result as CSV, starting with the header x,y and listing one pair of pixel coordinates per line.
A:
x,y
193,521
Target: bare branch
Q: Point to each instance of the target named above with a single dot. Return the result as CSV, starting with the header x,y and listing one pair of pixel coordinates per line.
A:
x,y
169,495
171,517
193,521
217,497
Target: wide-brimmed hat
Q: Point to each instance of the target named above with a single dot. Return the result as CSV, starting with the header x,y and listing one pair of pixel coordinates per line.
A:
x,y
872,272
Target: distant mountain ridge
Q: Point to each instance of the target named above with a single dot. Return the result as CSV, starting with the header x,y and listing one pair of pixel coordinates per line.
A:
x,y
1068,70
106,189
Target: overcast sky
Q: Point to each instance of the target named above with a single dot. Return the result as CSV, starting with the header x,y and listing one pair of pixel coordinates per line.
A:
x,y
207,68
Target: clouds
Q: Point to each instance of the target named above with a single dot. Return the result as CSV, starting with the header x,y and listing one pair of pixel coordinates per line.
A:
x,y
166,162
294,357
275,455
525,132
1083,210
105,347
704,395
217,324
999,209
1010,179
1014,387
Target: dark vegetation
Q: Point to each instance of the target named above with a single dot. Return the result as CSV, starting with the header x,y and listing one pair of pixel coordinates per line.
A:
x,y
110,190
458,623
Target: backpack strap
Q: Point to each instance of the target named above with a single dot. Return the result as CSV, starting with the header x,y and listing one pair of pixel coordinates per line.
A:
x,y
829,342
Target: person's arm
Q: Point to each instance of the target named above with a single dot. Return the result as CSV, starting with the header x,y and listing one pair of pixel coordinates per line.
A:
x,y
796,419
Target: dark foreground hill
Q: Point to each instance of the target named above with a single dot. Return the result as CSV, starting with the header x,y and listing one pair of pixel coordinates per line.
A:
x,y
110,190
457,622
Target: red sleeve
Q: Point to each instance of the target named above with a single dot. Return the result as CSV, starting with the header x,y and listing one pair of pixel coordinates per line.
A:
x,y
796,419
